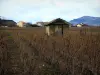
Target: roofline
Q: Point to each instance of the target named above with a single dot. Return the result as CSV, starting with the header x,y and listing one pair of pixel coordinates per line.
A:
x,y
55,20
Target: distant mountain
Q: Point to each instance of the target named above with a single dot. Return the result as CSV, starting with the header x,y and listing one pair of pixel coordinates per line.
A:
x,y
86,20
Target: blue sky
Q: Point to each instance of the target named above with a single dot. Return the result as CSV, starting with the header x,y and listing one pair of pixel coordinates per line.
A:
x,y
46,10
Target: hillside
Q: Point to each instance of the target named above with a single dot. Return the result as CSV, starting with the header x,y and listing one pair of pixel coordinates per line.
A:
x,y
87,20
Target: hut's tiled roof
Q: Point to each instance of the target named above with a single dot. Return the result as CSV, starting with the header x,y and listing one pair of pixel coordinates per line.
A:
x,y
57,21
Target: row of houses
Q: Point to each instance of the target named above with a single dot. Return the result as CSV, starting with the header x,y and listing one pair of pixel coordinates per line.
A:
x,y
24,24
53,27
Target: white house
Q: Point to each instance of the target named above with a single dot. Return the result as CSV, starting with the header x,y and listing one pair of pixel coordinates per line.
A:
x,y
41,23
81,25
21,24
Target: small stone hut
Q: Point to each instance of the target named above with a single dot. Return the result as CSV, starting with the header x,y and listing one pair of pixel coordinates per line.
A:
x,y
56,27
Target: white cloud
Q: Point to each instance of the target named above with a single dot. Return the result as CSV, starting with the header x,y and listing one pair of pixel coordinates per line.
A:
x,y
45,10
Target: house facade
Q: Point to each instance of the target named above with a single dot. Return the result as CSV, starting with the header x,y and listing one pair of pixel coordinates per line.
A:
x,y
7,23
81,25
78,25
41,23
21,24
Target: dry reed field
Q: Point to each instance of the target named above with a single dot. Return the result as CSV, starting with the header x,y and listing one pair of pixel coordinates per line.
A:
x,y
29,51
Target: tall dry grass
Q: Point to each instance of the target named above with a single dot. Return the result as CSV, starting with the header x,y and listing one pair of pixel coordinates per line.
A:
x,y
76,53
